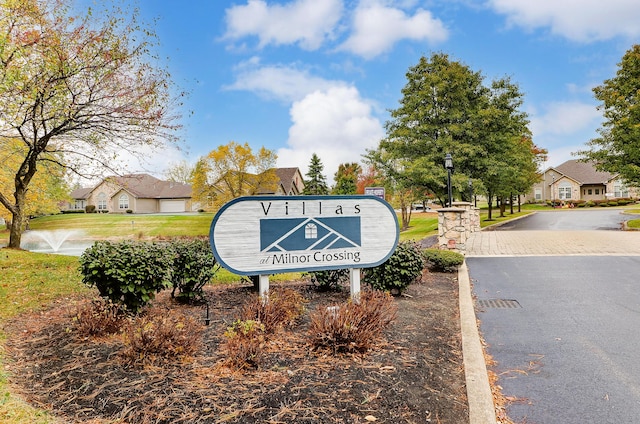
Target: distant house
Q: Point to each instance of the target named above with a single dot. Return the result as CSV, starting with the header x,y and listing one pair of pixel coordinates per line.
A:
x,y
287,182
576,180
290,182
140,193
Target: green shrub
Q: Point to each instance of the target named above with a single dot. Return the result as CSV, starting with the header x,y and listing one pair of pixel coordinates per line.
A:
x,y
612,203
590,203
352,326
443,260
193,266
331,279
245,344
90,208
283,308
402,268
161,334
128,273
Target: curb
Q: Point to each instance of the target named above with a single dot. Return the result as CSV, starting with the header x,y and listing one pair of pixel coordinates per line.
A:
x,y
479,396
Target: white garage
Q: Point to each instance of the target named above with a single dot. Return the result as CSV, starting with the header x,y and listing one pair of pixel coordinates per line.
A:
x,y
168,206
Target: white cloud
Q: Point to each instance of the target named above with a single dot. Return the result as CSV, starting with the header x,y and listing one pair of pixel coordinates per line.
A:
x,y
284,83
577,20
376,28
305,22
565,118
336,124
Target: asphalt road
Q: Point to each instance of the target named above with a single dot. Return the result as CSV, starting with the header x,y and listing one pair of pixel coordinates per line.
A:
x,y
563,329
579,219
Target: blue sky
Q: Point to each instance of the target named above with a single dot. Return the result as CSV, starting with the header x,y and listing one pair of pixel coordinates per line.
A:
x,y
305,76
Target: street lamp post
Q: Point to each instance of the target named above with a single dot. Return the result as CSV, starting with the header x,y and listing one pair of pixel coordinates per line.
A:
x,y
470,191
448,163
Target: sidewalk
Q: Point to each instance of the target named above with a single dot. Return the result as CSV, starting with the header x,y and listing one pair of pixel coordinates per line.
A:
x,y
553,243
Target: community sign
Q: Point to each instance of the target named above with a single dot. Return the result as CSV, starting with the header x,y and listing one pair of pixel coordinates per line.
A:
x,y
259,235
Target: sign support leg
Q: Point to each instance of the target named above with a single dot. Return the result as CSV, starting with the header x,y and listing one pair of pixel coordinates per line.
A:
x,y
263,286
354,284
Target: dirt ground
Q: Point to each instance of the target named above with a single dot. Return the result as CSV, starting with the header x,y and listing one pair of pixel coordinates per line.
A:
x,y
415,374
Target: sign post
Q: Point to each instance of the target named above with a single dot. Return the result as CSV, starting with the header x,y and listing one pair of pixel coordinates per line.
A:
x,y
262,235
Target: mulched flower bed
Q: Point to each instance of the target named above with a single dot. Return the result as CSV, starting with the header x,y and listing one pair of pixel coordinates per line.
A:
x,y
415,373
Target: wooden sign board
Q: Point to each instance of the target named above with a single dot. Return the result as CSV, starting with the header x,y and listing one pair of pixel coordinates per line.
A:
x,y
259,235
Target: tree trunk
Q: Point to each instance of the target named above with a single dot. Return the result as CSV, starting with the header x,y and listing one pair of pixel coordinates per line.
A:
x,y
519,204
15,232
511,203
490,201
17,218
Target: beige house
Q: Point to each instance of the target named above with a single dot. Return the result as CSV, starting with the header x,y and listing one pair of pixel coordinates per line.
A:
x,y
142,193
576,180
139,193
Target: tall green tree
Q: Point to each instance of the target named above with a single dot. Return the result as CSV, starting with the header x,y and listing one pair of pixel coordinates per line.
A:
x,y
509,163
76,91
316,183
617,149
446,108
439,113
346,178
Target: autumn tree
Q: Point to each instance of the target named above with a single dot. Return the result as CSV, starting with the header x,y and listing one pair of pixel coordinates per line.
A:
x,y
346,178
617,149
180,172
316,182
47,189
370,177
231,171
77,91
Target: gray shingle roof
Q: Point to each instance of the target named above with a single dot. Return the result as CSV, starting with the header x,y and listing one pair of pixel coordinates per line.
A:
x,y
583,172
146,186
142,186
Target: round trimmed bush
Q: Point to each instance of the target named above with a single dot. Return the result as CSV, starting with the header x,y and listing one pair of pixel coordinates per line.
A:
x,y
402,268
443,260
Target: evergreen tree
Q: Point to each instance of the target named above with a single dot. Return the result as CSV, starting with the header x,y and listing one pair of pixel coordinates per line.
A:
x,y
346,178
316,183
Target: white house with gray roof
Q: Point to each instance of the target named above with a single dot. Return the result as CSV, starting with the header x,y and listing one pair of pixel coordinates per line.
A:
x,y
576,180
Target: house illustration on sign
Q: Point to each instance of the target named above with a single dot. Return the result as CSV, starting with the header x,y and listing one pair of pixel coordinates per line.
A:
x,y
295,234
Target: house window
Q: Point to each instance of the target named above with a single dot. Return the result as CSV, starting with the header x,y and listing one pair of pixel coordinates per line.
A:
x,y
597,191
589,191
619,190
538,194
102,202
311,231
123,201
564,192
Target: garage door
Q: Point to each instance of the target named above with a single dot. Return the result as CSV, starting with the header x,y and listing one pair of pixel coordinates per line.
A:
x,y
172,206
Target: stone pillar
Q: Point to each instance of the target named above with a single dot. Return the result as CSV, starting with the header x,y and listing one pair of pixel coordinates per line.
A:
x,y
466,215
452,231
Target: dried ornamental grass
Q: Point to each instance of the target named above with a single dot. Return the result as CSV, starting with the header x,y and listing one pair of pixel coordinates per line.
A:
x,y
283,307
353,326
161,334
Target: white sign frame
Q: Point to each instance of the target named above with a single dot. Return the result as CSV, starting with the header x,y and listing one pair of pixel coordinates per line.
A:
x,y
259,235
